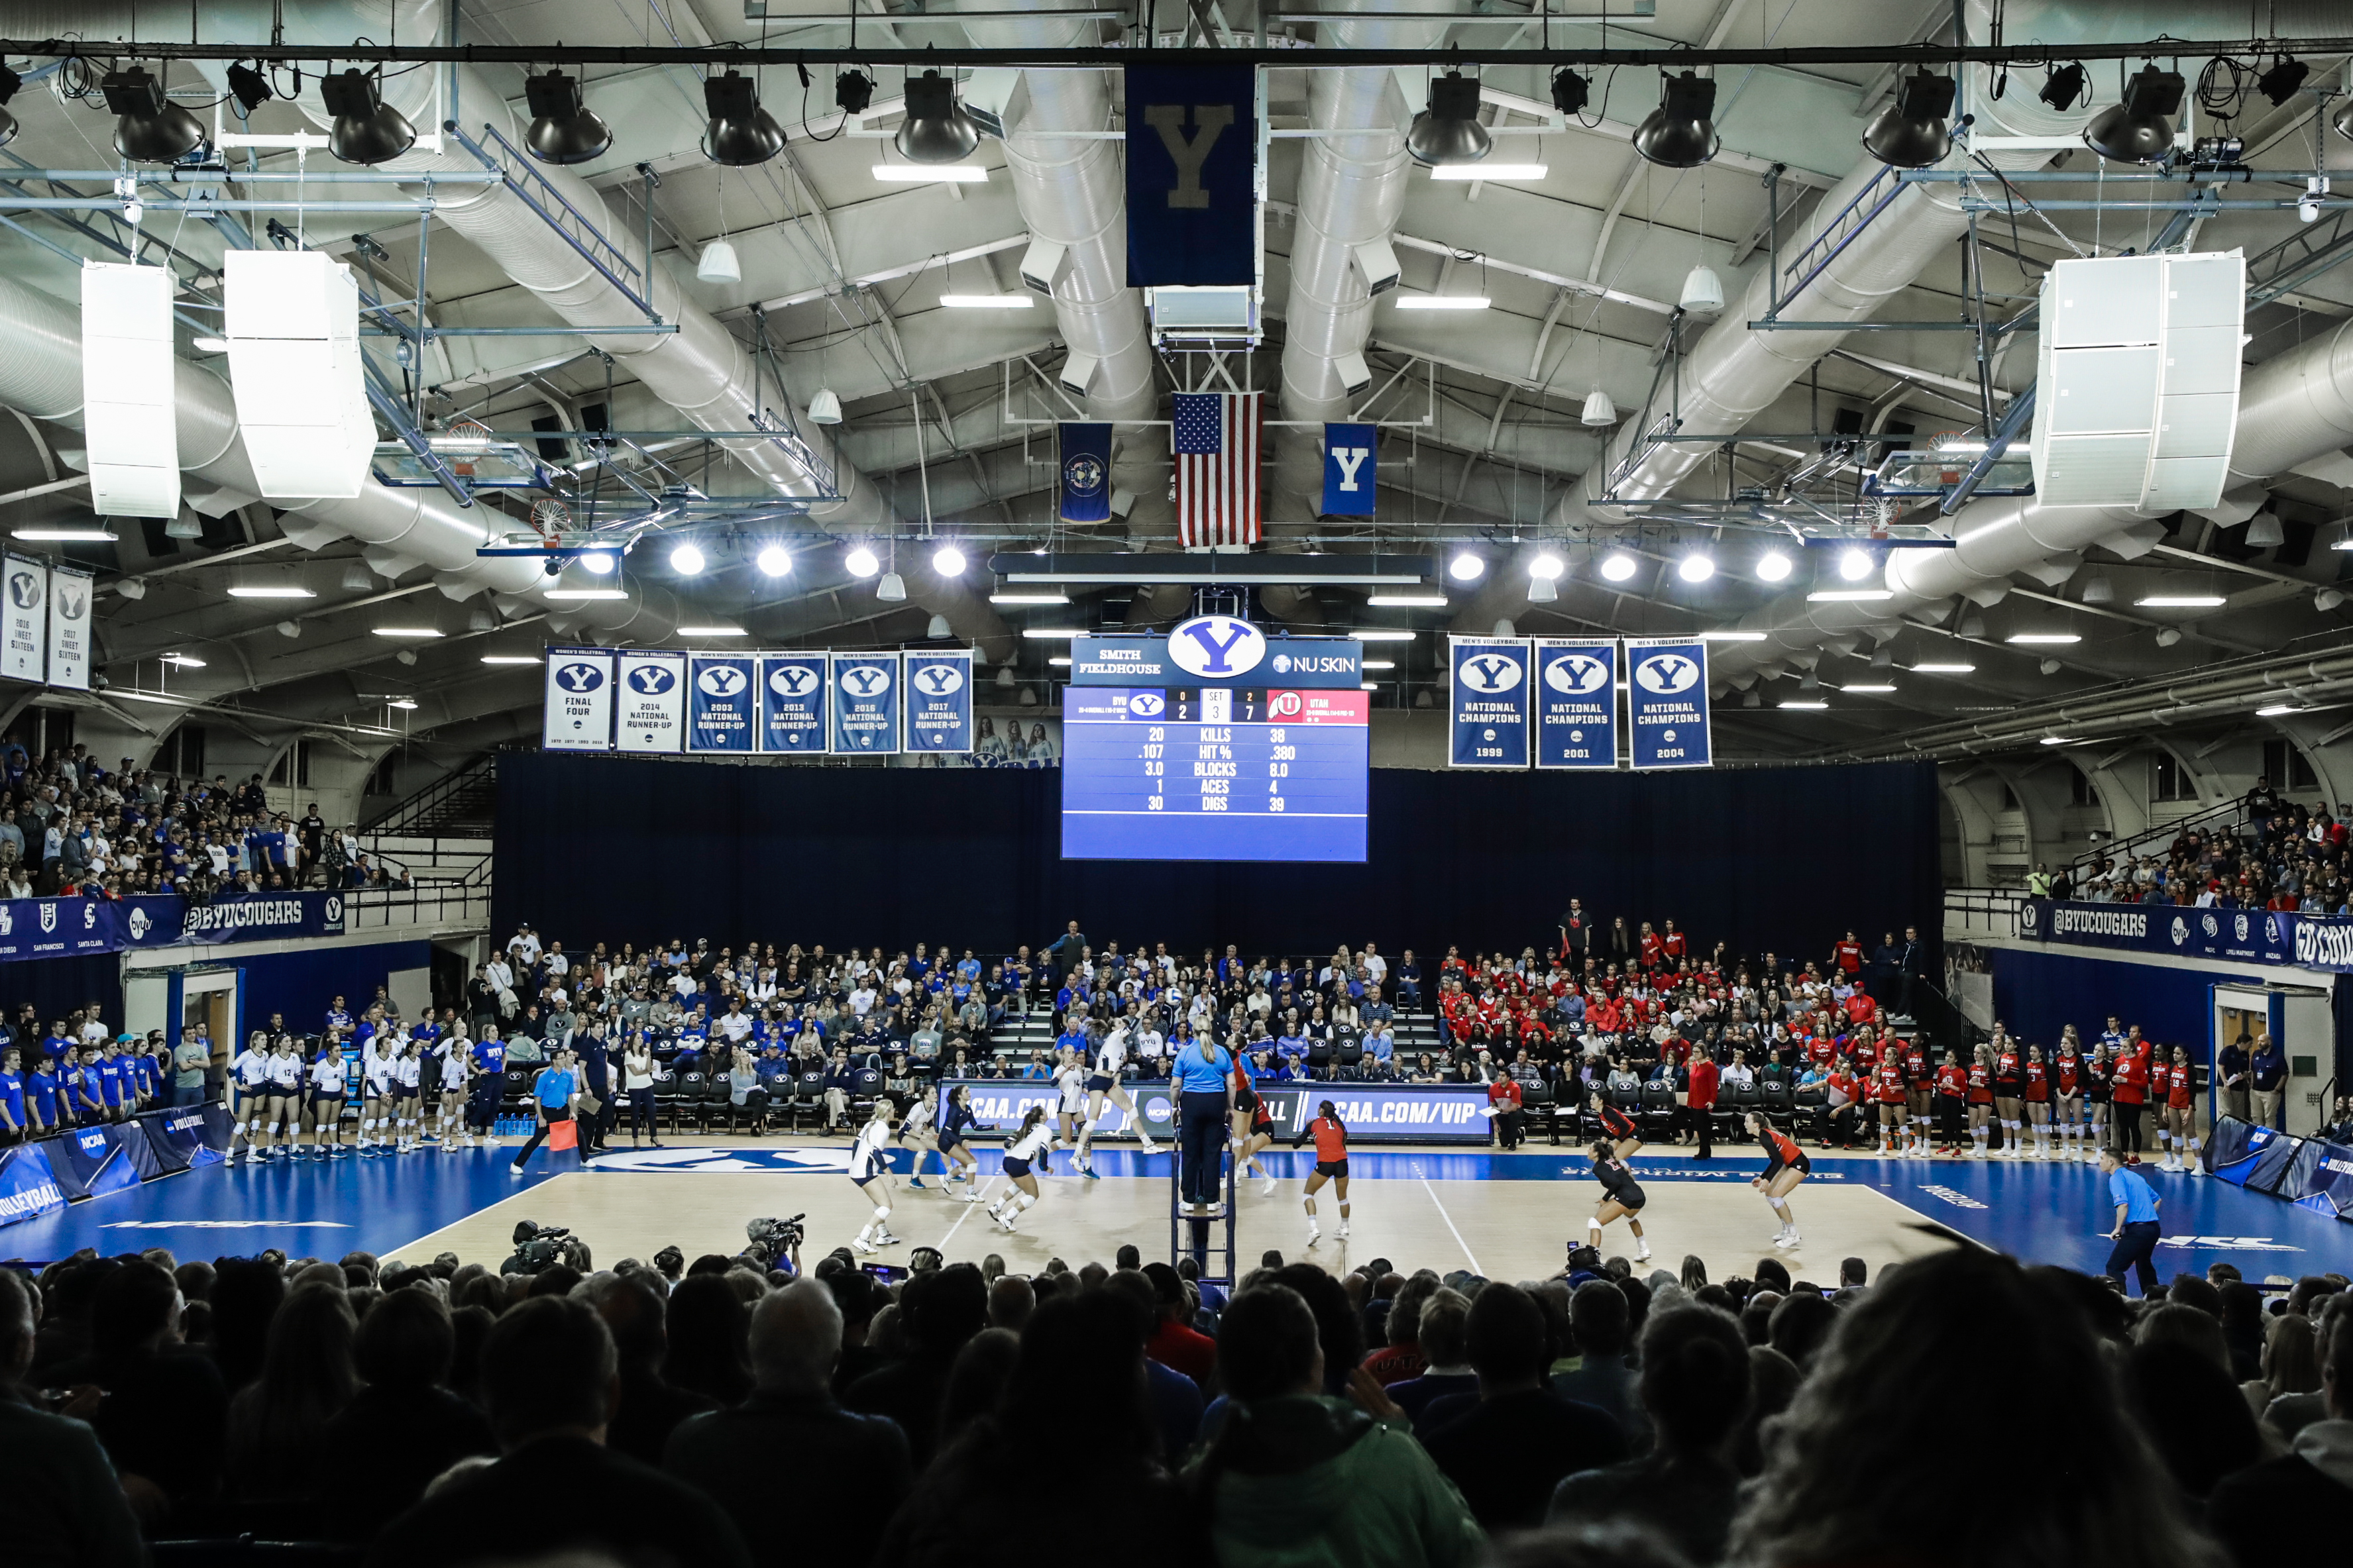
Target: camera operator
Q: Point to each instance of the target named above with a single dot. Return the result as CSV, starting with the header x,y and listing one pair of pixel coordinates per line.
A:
x,y
776,1243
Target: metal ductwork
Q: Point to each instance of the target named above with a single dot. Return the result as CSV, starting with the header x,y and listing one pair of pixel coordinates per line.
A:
x,y
1073,197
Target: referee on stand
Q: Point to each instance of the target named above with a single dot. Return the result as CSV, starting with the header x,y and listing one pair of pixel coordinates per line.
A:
x,y
1203,1078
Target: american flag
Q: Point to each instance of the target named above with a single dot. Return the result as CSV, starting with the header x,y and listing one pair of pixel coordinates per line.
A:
x,y
1216,439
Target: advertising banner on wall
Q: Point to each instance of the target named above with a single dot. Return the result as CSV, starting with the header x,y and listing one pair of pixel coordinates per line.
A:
x,y
579,713
939,700
649,702
1576,703
2241,936
1487,702
721,703
865,705
792,703
1666,701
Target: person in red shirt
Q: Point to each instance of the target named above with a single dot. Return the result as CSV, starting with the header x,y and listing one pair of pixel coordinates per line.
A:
x,y
1952,1103
1677,946
1506,1106
1785,1166
1981,1099
1618,1127
2130,1080
2179,1081
1848,954
1890,1082
1652,949
1175,1342
1920,1090
2067,1084
1843,1104
2038,1102
1331,1165
1861,1008
1699,1101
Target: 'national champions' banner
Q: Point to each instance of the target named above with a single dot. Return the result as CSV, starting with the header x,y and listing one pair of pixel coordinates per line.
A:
x,y
579,716
1666,692
792,703
864,710
1192,176
1576,703
1487,702
2241,936
939,700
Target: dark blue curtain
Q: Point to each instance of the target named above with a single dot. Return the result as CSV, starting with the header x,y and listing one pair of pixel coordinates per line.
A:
x,y
1782,860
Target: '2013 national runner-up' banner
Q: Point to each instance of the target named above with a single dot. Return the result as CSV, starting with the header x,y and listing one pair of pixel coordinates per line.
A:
x,y
1576,703
1666,692
1487,702
939,700
792,703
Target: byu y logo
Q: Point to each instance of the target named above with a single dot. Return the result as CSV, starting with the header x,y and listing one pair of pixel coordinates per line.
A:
x,y
1216,645
1210,121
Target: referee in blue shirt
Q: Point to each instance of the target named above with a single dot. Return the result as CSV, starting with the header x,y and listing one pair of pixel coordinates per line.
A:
x,y
556,1089
2136,1229
1203,1078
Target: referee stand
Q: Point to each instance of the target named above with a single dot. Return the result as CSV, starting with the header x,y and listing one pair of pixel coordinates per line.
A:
x,y
1208,1239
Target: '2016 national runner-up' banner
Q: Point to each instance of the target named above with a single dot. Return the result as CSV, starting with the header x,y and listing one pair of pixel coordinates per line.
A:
x,y
69,621
939,700
792,703
1576,703
722,700
1666,692
579,716
1487,702
864,708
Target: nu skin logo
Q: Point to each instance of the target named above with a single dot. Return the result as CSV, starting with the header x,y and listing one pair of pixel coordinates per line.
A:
x,y
1216,645
1210,121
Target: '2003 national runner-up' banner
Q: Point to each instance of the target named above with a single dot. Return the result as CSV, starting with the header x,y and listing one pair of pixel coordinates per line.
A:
x,y
1487,702
722,701
864,716
939,700
1666,691
1576,703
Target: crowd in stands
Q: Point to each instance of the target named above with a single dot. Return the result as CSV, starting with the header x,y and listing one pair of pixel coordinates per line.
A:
x,y
727,1414
72,828
2277,856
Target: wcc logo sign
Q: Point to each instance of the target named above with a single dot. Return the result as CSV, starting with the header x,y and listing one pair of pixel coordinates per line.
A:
x,y
1192,176
1216,647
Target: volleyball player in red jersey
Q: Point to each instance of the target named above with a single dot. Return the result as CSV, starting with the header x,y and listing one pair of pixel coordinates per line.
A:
x,y
1981,1098
1330,1166
2180,1113
2036,1096
1786,1167
1952,1103
2129,1081
1621,1198
2009,1092
2067,1097
1889,1079
2099,1085
1617,1126
1919,1091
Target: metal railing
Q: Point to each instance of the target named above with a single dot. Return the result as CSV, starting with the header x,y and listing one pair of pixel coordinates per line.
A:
x,y
437,904
2227,815
479,775
1974,914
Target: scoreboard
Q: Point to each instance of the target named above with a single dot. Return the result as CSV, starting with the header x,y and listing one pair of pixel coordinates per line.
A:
x,y
1214,773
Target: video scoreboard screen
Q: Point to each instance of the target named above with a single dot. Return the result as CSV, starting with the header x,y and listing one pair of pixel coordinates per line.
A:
x,y
1214,774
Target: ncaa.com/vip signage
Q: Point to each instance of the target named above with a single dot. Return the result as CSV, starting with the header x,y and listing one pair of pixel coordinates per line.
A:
x,y
1213,652
1576,703
2240,936
939,700
1487,702
1666,692
579,716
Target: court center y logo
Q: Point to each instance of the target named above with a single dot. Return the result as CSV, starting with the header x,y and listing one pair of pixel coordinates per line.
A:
x,y
1216,645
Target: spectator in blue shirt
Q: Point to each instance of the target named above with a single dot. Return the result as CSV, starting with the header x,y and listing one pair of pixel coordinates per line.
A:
x,y
41,1089
2135,1230
1380,1045
12,1122
2267,1075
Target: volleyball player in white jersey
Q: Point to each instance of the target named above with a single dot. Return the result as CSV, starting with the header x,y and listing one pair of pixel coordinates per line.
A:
x,y
285,1092
456,1054
408,1080
375,1090
1071,1092
249,1073
1033,1141
1102,1084
869,1172
329,1078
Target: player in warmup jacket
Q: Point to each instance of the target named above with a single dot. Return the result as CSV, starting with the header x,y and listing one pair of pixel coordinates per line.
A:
x,y
2099,1086
1919,1092
2009,1090
1982,1100
870,1172
1625,1137
1330,1166
1033,1140
1621,1198
1952,1103
328,1081
1888,1079
250,1093
2180,1129
1786,1167
1103,1085
2067,1083
2037,1104
955,1148
2128,1086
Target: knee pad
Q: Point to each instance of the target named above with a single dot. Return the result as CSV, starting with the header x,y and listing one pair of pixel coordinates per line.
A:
x,y
1778,1206
883,1211
1026,1201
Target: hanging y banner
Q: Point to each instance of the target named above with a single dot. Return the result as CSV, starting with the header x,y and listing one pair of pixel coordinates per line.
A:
x,y
1192,161
718,705
579,713
792,703
1487,702
1086,473
866,703
650,703
70,628
1576,703
26,633
1348,469
1666,691
939,700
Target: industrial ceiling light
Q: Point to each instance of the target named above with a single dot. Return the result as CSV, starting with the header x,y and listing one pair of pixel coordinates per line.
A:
x,y
1696,567
825,408
861,561
2280,83
1448,131
563,129
1617,565
2265,533
1773,567
686,560
718,264
598,561
184,526
937,130
2064,86
1854,565
1599,409
9,82
892,589
775,560
2138,130
1680,133
1703,292
148,127
1466,567
948,561
249,87
937,629
741,134
367,129
1911,132
1548,567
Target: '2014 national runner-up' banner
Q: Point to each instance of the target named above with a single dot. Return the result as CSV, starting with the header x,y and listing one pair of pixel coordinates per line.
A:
x,y
1487,702
1666,701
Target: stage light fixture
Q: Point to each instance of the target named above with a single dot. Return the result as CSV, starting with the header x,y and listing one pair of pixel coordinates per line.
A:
x,y
1448,131
1548,567
249,87
148,127
2062,87
2280,83
861,561
1696,567
1911,132
852,91
1681,132
1773,567
776,561
1466,567
2139,129
948,561
740,134
367,131
686,560
563,129
1570,91
1617,566
937,130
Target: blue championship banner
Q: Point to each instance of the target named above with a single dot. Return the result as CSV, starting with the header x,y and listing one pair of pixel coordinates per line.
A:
x,y
29,1185
792,703
719,704
939,700
1348,469
1192,176
1086,473
1666,693
864,711
1487,702
1576,703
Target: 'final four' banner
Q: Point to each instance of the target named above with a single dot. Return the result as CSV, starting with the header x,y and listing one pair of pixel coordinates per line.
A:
x,y
865,706
1487,702
579,712
1576,703
939,700
1192,174
1666,691
792,703
1348,469
719,704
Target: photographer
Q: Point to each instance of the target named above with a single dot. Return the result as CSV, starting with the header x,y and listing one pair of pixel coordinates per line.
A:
x,y
775,1243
